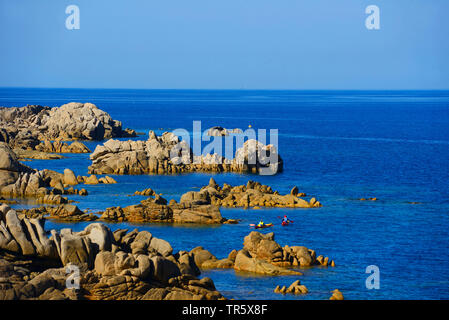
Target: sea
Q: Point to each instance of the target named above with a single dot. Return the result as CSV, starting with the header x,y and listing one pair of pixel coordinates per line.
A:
x,y
337,146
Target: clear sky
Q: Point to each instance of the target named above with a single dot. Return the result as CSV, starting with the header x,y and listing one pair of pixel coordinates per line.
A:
x,y
225,44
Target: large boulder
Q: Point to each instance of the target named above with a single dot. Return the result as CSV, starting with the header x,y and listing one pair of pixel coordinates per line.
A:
x,y
25,127
70,177
161,246
24,236
80,121
164,269
245,262
263,246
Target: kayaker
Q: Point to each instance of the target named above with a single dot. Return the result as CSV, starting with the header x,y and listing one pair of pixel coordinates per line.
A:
x,y
261,224
285,220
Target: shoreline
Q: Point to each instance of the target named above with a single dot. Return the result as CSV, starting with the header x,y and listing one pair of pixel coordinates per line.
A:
x,y
193,205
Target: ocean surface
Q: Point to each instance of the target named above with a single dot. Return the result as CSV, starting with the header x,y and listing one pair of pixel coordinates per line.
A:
x,y
337,146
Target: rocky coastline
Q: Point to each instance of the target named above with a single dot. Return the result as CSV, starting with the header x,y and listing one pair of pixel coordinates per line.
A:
x,y
128,265
110,265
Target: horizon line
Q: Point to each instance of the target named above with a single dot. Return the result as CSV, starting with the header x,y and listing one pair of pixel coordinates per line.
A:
x,y
216,89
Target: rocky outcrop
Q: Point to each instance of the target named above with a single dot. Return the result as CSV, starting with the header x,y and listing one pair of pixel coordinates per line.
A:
x,y
64,212
157,209
336,295
262,255
206,260
253,194
119,265
62,147
218,131
368,199
16,132
168,154
295,288
146,192
26,155
93,179
46,186
17,179
27,126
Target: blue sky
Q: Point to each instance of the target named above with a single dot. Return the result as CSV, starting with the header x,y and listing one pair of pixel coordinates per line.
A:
x,y
228,44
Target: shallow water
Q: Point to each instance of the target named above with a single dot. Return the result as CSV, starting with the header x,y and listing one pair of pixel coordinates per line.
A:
x,y
336,146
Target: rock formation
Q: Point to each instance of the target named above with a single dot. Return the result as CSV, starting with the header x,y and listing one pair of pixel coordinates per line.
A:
x,y
111,265
157,209
167,154
261,254
218,131
295,288
46,186
62,147
253,194
63,212
336,295
26,126
17,179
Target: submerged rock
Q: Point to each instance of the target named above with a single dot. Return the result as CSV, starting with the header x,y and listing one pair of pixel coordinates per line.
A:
x,y
218,131
336,295
295,288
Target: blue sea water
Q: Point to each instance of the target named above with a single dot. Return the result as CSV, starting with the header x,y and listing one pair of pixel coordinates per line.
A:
x,y
338,146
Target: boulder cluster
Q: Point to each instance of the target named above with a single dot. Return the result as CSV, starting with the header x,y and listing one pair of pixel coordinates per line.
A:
x,y
218,131
63,212
111,265
295,288
45,186
167,154
25,127
62,147
158,209
261,254
253,194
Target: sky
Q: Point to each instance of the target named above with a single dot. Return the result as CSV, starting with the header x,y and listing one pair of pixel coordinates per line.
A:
x,y
225,44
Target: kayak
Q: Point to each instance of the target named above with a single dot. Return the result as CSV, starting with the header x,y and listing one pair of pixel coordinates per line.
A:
x,y
264,226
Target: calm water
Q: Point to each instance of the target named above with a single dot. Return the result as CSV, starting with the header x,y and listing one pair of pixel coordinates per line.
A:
x,y
337,146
